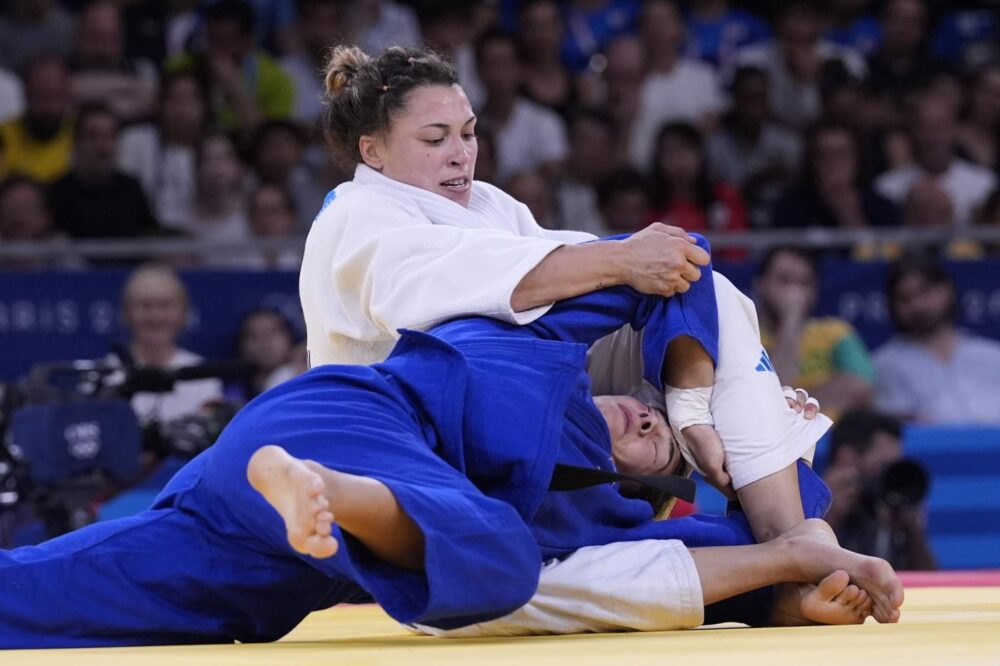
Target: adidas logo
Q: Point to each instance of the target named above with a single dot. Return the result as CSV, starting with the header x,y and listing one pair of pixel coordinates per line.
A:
x,y
765,363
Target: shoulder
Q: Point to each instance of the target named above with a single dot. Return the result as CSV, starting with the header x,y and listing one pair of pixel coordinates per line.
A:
x,y
966,170
982,347
183,358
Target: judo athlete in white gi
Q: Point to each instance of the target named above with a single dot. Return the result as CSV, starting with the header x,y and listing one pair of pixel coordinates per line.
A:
x,y
412,240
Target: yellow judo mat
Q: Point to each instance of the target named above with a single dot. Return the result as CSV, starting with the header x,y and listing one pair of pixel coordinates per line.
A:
x,y
959,626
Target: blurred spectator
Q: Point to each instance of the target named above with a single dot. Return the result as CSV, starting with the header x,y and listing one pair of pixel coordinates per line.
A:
x,y
831,192
675,88
29,28
905,63
683,193
979,134
591,140
11,96
274,24
531,189
24,214
931,371
928,206
546,79
823,355
969,36
592,24
617,91
989,216
623,199
246,86
271,215
155,310
379,24
95,200
266,342
486,160
320,27
100,70
794,63
219,211
39,143
278,151
850,23
869,513
528,136
162,155
934,131
716,31
750,150
156,30
450,28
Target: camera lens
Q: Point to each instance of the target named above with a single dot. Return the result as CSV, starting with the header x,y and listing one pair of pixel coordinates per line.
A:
x,y
904,484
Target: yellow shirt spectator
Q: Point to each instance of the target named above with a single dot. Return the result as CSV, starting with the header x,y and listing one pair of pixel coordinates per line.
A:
x,y
40,160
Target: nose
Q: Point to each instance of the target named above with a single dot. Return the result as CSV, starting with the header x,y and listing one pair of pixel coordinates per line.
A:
x,y
460,153
647,421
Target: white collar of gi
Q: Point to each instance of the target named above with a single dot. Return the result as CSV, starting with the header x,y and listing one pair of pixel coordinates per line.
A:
x,y
439,209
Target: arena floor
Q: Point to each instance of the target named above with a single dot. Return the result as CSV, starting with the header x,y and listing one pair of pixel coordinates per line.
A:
x,y
940,625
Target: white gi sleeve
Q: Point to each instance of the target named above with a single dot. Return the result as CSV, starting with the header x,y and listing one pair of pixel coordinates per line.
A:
x,y
650,585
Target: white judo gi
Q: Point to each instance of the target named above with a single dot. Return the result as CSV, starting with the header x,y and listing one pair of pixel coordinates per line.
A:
x,y
383,255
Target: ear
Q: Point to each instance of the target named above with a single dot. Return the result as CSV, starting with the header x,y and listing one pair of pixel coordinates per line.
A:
x,y
371,151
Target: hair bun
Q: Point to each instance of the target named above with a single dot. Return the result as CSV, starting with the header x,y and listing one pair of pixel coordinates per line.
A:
x,y
344,65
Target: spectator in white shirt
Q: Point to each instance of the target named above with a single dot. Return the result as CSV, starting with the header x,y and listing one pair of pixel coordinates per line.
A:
x,y
676,88
934,132
528,136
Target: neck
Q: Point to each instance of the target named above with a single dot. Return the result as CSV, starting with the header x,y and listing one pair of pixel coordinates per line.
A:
x,y
709,10
152,355
94,176
939,342
219,205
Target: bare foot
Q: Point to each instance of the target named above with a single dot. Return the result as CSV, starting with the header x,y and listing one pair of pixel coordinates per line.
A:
x,y
834,601
298,494
817,554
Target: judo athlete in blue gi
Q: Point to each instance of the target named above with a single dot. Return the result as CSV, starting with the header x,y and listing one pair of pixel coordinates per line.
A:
x,y
421,482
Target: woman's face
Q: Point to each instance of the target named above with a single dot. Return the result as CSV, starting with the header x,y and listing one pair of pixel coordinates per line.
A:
x,y
155,310
183,109
220,170
431,144
680,161
265,341
641,440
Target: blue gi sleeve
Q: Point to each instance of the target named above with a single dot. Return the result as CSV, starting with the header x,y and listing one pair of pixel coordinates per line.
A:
x,y
589,317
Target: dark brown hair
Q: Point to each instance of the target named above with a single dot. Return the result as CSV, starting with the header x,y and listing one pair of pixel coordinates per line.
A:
x,y
364,93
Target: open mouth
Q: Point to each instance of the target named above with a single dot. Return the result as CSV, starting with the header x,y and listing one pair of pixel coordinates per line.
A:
x,y
457,184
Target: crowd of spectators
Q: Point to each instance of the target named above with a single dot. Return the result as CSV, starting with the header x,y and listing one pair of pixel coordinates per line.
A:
x,y
137,118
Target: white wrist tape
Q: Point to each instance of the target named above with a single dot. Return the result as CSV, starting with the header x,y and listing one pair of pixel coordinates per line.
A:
x,y
688,407
685,408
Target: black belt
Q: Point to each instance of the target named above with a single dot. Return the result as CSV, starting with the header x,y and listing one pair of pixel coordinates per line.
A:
x,y
570,477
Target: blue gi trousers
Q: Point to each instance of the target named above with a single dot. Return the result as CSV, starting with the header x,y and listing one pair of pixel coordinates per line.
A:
x,y
210,562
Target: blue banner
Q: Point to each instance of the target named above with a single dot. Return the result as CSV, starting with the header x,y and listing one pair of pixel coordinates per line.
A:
x,y
64,316
49,316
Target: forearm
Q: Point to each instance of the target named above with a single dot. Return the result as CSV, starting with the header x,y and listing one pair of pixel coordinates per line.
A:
x,y
570,271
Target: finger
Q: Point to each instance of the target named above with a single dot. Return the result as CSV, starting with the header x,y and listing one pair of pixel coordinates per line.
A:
x,y
802,396
681,286
792,398
690,272
696,255
671,230
811,409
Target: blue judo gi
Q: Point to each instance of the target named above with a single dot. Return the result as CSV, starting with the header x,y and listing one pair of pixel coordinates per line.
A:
x,y
464,424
